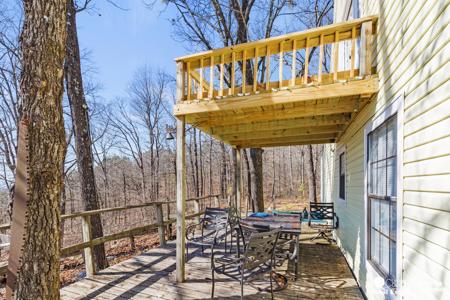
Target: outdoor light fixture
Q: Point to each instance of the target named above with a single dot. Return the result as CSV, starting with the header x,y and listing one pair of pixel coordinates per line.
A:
x,y
170,131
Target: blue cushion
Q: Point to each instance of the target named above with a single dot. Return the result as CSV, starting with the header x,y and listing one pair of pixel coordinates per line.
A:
x,y
260,214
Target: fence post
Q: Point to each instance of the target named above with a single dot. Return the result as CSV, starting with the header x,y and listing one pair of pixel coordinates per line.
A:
x,y
87,237
216,201
161,228
197,209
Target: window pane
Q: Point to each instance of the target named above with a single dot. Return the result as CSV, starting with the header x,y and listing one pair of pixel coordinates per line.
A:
x,y
381,144
384,248
381,178
391,173
374,214
372,178
384,217
393,260
375,246
374,146
392,137
393,223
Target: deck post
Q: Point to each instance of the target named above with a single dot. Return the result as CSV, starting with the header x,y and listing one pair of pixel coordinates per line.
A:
x,y
88,252
161,226
181,182
238,179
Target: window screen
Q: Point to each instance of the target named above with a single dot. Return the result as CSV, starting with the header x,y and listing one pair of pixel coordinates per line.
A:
x,y
382,198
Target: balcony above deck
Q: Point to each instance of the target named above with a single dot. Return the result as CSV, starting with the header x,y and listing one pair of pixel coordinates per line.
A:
x,y
294,101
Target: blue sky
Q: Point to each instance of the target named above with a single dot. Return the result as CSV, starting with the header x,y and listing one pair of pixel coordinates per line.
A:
x,y
122,41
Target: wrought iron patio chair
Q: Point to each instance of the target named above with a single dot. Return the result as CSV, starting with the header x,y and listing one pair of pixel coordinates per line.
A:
x,y
323,219
213,223
257,258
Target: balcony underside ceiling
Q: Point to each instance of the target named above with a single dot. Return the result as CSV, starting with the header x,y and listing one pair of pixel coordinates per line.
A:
x,y
307,115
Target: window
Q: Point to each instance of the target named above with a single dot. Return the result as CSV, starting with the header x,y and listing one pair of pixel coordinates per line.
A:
x,y
342,176
382,198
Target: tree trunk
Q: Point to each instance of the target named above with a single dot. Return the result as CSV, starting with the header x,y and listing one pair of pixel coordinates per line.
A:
x,y
41,87
256,169
249,179
311,175
82,134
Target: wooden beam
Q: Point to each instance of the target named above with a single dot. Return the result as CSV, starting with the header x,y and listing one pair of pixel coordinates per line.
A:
x,y
255,72
268,69
336,56
352,88
321,54
352,54
181,187
294,63
280,68
281,133
233,73
222,70
307,109
305,76
211,80
197,77
289,143
244,70
308,139
88,252
336,119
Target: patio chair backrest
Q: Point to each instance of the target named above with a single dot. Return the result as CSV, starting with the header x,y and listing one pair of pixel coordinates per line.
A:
x,y
213,213
260,248
321,211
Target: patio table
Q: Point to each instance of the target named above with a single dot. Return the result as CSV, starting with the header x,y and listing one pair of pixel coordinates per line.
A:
x,y
290,225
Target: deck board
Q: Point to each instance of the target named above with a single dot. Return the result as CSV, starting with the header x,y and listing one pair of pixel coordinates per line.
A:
x,y
323,274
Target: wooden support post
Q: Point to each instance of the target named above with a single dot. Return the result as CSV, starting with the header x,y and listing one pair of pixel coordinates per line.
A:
x,y
255,71
181,187
200,85
294,62
211,78
305,74
365,58
352,53
88,252
268,68
222,59
321,54
233,72
161,226
244,70
189,81
238,179
336,56
280,74
197,209
216,201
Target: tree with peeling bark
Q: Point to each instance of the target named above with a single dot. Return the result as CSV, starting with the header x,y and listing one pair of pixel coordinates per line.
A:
x,y
41,89
81,128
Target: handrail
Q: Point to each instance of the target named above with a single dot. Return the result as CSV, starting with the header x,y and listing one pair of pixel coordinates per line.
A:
x,y
229,61
89,242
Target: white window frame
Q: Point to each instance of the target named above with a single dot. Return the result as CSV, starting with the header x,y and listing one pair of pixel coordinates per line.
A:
x,y
396,107
342,150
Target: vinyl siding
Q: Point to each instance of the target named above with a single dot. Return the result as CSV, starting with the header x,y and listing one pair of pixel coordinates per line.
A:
x,y
412,60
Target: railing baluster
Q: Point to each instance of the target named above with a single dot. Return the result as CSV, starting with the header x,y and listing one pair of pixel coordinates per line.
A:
x,y
221,75
305,74
211,78
233,71
189,81
88,252
255,71
268,68
352,54
321,52
280,75
294,62
200,84
336,56
244,70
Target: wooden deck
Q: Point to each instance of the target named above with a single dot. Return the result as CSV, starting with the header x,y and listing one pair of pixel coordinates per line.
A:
x,y
323,274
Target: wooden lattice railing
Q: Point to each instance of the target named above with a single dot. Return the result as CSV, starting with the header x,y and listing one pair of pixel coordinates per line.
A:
x,y
162,220
229,72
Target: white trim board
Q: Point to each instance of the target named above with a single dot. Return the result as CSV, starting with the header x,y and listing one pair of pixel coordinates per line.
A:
x,y
396,107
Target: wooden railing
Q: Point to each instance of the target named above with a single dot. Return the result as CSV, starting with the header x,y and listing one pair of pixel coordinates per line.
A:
x,y
229,72
88,242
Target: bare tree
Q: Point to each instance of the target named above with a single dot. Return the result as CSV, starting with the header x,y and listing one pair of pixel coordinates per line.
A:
x,y
81,128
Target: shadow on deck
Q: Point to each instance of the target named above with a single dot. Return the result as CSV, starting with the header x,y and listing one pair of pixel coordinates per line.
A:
x,y
323,274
